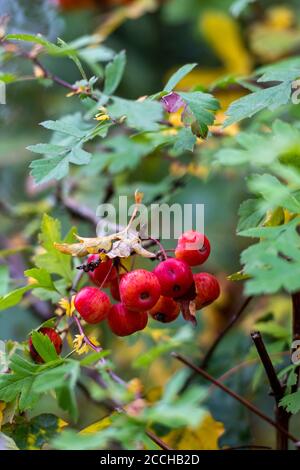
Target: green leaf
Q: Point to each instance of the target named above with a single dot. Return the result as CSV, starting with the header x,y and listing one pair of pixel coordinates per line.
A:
x,y
4,279
93,357
51,49
139,114
250,215
272,328
47,149
53,260
44,346
124,153
273,192
114,73
144,360
238,276
178,75
78,156
35,433
203,107
19,383
42,277
291,402
274,262
46,169
63,379
185,141
28,381
8,77
14,297
270,98
63,127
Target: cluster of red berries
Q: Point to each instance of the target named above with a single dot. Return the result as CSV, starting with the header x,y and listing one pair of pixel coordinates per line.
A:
x,y
141,293
160,294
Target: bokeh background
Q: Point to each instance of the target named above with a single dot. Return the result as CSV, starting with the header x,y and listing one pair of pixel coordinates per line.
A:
x,y
158,37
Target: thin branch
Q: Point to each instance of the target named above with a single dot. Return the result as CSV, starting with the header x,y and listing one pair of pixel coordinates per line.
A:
x,y
158,441
281,415
117,406
206,359
277,388
223,333
234,395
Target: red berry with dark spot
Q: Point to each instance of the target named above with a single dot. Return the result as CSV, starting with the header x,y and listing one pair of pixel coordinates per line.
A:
x,y
104,273
92,304
175,277
193,248
207,289
124,322
165,310
54,338
139,290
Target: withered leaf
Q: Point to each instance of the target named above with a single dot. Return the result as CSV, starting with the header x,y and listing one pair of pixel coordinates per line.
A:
x,y
121,244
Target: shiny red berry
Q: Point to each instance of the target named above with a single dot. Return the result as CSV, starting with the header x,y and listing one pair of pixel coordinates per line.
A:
x,y
104,273
139,290
114,287
175,277
92,304
124,322
165,310
207,289
54,338
193,248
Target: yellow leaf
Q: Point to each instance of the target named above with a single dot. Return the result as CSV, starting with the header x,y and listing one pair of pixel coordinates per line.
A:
x,y
135,386
80,346
217,25
204,437
280,17
69,307
97,426
2,406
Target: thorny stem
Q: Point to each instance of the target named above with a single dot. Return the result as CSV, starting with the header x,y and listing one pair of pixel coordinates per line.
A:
x,y
234,395
206,359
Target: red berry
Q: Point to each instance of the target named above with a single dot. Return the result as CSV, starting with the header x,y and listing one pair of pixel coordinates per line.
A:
x,y
207,288
55,340
114,286
193,248
139,290
92,304
104,273
124,322
165,310
175,277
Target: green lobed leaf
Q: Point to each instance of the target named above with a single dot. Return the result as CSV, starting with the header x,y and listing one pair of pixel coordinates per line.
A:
x,y
139,114
178,75
113,73
203,107
44,347
270,98
63,127
53,260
